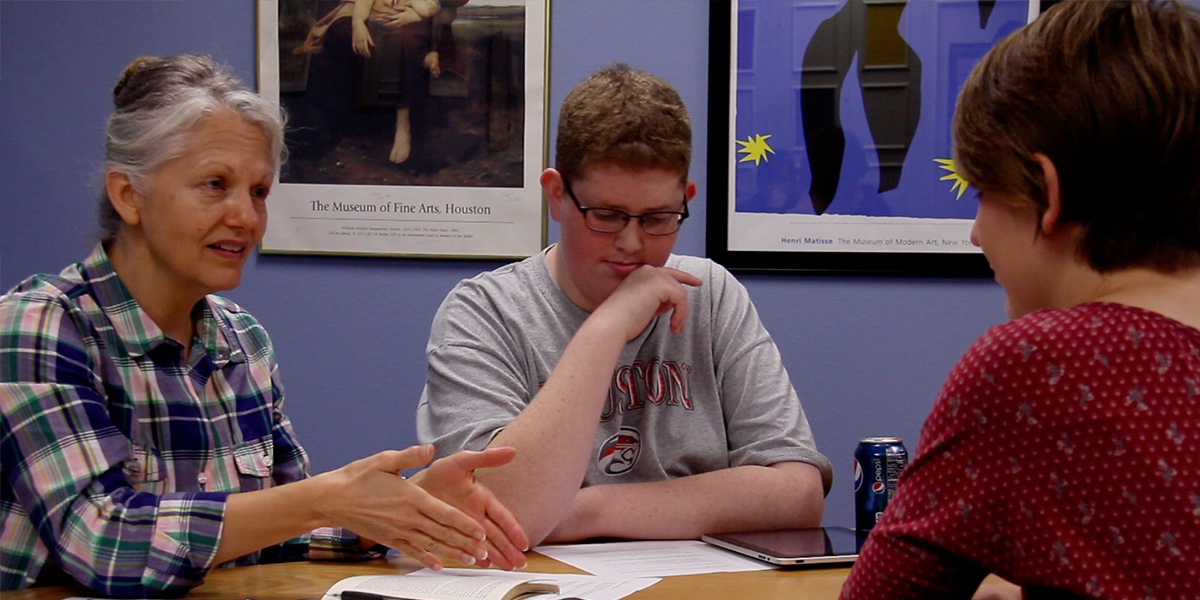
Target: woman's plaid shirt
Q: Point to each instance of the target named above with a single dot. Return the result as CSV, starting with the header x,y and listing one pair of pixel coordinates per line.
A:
x,y
118,452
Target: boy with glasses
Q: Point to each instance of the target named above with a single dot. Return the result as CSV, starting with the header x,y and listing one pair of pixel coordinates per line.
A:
x,y
643,395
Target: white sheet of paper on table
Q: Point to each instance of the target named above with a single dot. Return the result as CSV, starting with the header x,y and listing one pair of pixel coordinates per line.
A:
x,y
651,558
570,585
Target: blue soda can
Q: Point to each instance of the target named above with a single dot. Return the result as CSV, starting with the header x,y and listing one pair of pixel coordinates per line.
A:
x,y
877,465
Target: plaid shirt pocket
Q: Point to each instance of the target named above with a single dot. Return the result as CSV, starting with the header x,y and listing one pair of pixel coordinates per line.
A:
x,y
255,461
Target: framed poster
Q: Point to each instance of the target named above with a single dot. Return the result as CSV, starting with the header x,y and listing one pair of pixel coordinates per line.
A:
x,y
830,133
415,127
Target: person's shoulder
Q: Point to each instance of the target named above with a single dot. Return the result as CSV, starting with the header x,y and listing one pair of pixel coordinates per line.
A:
x,y
225,307
515,277
43,308
518,268
695,265
493,294
1125,319
1044,335
492,301
1081,320
45,290
716,281
243,326
704,268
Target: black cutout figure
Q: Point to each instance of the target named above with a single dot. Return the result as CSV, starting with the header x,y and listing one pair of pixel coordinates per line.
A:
x,y
824,139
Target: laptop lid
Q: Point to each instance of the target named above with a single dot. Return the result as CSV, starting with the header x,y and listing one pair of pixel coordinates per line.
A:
x,y
817,545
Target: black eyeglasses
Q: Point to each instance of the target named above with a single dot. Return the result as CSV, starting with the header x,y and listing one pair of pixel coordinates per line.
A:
x,y
611,220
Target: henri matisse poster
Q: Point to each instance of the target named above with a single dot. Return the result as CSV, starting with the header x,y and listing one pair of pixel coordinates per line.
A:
x,y
835,151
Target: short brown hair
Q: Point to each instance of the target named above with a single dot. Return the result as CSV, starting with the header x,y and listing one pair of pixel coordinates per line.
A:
x,y
623,116
1110,92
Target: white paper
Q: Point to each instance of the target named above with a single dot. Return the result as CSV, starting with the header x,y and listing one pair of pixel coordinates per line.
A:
x,y
651,559
570,585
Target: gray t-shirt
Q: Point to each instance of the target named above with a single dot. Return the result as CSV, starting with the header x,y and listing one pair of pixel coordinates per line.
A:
x,y
713,396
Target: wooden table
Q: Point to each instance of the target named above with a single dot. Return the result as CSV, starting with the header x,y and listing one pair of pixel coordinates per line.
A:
x,y
309,580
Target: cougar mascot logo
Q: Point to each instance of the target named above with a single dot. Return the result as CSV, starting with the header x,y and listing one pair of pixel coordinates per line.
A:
x,y
620,452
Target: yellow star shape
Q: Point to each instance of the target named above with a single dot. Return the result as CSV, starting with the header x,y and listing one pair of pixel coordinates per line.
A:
x,y
755,148
960,184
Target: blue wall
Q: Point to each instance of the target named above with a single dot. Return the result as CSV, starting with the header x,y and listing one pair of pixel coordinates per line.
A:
x,y
867,354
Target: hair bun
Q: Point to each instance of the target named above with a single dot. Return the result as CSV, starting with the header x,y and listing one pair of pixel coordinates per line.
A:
x,y
135,67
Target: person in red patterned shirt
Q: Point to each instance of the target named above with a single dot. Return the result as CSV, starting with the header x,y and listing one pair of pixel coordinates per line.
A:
x,y
1063,452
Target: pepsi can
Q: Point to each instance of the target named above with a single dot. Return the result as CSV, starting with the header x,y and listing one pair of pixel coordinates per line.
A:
x,y
877,465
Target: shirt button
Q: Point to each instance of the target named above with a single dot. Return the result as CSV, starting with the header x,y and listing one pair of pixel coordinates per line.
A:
x,y
267,460
203,478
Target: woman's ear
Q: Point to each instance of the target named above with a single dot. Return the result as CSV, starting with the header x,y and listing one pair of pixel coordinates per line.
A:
x,y
1050,187
122,196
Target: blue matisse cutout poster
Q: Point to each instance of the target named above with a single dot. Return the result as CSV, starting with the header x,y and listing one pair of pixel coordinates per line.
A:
x,y
842,121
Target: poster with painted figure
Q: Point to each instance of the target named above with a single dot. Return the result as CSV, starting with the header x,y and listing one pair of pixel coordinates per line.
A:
x,y
835,152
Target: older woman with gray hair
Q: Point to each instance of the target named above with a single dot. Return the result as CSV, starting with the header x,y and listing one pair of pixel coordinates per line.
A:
x,y
142,436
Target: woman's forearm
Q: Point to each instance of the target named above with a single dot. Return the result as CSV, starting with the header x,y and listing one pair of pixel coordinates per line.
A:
x,y
293,509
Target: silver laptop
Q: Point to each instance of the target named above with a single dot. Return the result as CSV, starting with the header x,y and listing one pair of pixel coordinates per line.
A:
x,y
818,545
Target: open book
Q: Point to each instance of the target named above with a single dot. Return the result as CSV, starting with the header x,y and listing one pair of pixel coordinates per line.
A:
x,y
438,587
